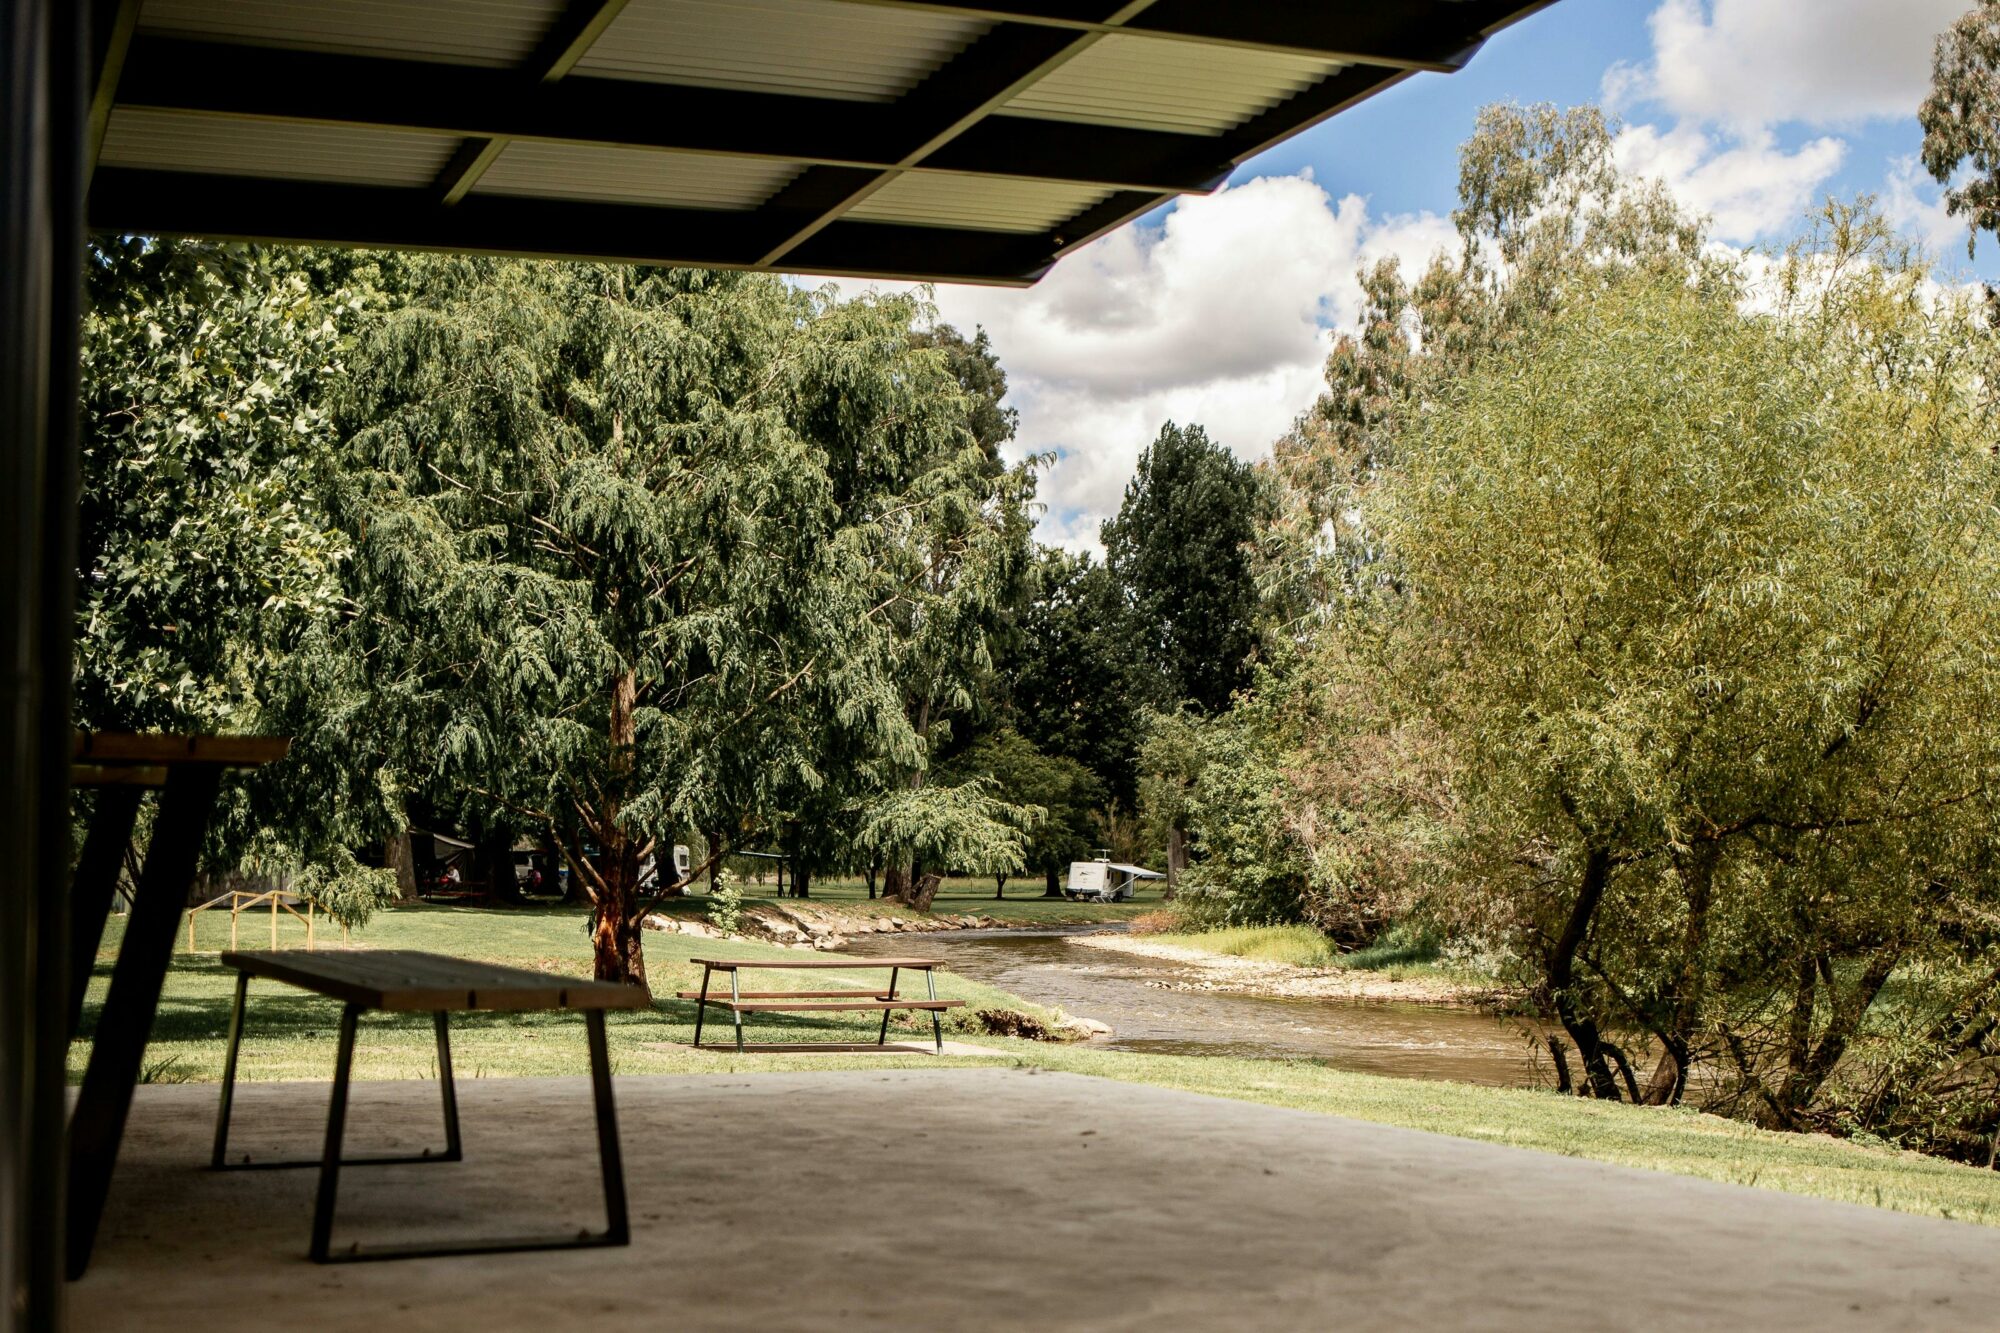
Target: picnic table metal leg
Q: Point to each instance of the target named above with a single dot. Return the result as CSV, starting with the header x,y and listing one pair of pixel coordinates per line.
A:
x,y
229,1072
618,1228
336,1130
454,1149
119,1048
701,1005
95,884
736,1005
937,1022
883,1039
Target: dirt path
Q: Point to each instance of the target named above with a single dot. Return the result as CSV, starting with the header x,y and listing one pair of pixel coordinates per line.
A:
x,y
1256,976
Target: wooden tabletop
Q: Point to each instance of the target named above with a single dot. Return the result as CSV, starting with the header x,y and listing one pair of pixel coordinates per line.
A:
x,y
787,964
127,759
406,980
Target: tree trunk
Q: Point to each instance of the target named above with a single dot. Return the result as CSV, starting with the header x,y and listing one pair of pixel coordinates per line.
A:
x,y
1054,887
874,869
1669,1078
999,887
1176,860
495,859
801,882
1581,1026
896,881
713,837
400,857
616,935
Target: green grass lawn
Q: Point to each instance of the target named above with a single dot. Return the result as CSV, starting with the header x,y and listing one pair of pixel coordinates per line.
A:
x,y
1302,946
290,1035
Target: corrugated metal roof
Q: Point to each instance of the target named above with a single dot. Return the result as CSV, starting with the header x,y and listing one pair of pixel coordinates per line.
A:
x,y
186,141
1157,83
499,33
634,175
247,141
981,202
870,53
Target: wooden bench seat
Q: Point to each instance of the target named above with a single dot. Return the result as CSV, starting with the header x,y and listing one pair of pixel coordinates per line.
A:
x,y
793,994
406,981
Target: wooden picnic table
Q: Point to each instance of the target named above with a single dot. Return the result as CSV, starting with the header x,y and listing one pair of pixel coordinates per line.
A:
x,y
407,981
848,1000
187,771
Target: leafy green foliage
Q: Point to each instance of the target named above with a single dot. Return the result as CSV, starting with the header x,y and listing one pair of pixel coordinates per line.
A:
x,y
1060,795
1699,603
638,548
1072,673
203,552
963,826
211,573
1179,549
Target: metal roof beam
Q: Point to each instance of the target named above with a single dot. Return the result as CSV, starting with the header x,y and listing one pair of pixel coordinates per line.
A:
x,y
972,85
1413,34
112,23
245,208
580,24
490,107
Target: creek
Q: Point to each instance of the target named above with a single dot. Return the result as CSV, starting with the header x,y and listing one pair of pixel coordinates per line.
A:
x,y
1143,1002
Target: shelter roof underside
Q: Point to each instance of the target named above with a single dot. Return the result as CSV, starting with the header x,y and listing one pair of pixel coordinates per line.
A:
x,y
891,138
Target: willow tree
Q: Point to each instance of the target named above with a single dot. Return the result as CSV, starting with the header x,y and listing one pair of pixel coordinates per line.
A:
x,y
616,530
1701,595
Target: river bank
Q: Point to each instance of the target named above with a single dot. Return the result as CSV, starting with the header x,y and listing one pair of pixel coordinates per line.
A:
x,y
1234,975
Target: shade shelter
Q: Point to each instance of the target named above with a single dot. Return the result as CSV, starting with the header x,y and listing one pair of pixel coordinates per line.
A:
x,y
965,142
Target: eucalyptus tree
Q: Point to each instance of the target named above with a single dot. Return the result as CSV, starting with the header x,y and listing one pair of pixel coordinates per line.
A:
x,y
1961,119
622,534
1544,211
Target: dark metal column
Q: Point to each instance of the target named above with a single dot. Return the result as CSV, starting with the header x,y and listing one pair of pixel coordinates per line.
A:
x,y
41,174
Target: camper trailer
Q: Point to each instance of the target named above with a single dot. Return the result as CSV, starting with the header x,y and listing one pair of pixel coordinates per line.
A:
x,y
1104,881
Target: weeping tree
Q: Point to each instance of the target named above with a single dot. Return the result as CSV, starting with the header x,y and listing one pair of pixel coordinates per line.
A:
x,y
616,530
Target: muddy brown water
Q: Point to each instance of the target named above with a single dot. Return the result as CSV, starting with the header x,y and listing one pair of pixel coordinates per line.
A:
x,y
1134,995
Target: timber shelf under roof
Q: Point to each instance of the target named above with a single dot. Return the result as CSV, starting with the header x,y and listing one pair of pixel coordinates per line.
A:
x,y
961,142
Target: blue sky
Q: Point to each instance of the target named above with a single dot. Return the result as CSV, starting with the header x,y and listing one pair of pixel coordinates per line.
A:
x,y
1220,309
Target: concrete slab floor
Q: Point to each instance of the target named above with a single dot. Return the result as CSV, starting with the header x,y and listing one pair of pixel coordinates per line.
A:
x,y
967,1199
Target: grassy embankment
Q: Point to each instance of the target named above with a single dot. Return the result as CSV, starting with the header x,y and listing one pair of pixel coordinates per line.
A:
x,y
1396,953
291,1036
1022,904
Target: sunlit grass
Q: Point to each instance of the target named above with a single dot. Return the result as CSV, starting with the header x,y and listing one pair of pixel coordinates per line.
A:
x,y
1300,946
290,1036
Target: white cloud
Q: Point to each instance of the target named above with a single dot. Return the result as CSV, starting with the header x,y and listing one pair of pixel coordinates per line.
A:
x,y
1220,316
1726,75
1752,188
1747,64
1915,206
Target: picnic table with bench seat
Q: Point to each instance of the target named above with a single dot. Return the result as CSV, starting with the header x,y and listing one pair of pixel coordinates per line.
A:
x,y
406,981
849,1000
